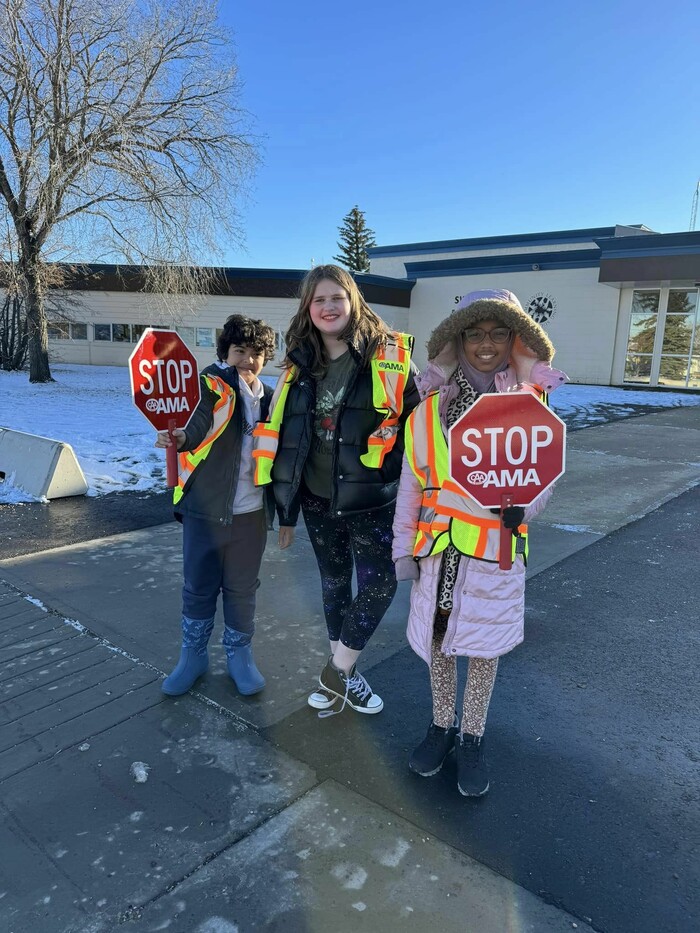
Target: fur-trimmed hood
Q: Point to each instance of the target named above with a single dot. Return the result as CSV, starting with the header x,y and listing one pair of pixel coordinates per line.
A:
x,y
505,308
530,355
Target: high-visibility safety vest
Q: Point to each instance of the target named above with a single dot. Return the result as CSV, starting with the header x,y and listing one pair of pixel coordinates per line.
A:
x,y
189,460
390,368
447,515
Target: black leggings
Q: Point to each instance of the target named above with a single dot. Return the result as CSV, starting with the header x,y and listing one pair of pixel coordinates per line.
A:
x,y
337,541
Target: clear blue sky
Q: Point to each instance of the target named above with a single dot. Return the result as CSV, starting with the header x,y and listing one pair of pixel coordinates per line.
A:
x,y
460,119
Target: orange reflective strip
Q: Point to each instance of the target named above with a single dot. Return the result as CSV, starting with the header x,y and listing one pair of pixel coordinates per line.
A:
x,y
401,380
450,486
433,526
264,453
481,542
261,430
483,523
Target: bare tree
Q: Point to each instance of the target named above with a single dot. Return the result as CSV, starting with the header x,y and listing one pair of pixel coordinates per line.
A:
x,y
120,129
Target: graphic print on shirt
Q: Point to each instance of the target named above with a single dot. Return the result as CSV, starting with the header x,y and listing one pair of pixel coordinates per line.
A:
x,y
327,406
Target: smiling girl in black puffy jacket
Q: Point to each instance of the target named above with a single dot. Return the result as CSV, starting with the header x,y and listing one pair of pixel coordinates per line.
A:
x,y
333,447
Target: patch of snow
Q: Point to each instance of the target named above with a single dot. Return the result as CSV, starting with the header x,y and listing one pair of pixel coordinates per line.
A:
x,y
360,905
392,859
76,625
36,602
352,877
139,771
581,529
90,408
217,925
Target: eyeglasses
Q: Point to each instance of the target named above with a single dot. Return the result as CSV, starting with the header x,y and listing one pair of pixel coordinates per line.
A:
x,y
497,335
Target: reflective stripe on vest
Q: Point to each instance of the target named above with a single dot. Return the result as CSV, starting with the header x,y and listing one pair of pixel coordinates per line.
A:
x,y
189,460
390,368
391,365
266,434
447,515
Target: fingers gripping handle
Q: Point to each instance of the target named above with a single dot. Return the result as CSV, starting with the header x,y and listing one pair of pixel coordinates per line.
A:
x,y
505,551
171,456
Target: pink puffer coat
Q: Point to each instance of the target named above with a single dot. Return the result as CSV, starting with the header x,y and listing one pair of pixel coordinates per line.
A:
x,y
488,611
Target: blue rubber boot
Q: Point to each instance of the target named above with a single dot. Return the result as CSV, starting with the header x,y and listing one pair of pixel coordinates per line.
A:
x,y
194,659
241,663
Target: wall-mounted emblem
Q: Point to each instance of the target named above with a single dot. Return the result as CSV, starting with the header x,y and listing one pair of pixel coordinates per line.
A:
x,y
541,307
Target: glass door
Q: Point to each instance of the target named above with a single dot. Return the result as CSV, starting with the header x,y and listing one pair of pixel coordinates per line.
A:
x,y
680,350
663,344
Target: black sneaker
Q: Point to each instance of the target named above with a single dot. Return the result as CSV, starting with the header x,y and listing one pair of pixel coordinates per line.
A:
x,y
352,689
472,771
428,757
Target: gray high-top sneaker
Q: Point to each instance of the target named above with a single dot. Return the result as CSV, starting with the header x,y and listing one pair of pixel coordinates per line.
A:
x,y
352,689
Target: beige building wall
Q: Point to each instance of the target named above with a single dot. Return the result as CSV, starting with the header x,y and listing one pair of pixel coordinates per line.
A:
x,y
582,327
197,321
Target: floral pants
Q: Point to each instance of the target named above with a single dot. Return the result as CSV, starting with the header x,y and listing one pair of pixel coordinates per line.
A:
x,y
481,675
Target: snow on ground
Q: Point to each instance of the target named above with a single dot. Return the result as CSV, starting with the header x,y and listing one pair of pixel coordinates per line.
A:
x,y
90,408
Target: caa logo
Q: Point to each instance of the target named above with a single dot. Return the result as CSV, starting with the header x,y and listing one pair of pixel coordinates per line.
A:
x,y
477,478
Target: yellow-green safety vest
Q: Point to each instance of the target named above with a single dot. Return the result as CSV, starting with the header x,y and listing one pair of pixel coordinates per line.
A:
x,y
189,460
390,368
447,515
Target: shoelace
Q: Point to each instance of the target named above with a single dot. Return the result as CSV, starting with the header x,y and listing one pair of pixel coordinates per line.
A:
x,y
358,685
471,751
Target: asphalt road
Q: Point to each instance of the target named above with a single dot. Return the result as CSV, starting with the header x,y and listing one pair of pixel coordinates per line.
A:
x,y
592,737
28,527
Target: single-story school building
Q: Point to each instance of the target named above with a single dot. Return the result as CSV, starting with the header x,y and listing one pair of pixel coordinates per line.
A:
x,y
621,304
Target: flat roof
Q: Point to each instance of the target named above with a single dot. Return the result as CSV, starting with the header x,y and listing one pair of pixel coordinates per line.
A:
x,y
584,234
232,281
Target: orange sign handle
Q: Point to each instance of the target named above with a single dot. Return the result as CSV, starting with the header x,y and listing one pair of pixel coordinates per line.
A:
x,y
171,456
505,550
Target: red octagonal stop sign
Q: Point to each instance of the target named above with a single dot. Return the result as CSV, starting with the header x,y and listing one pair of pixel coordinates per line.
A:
x,y
164,379
507,443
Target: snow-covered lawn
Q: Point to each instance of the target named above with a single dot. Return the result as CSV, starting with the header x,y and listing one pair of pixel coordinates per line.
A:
x,y
90,408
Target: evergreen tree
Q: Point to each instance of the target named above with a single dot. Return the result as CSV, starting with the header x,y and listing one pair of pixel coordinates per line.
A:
x,y
354,241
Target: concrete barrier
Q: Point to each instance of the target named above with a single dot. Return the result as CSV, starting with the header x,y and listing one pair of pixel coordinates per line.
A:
x,y
40,466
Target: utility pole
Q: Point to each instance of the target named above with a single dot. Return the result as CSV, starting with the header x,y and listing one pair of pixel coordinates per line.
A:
x,y
694,208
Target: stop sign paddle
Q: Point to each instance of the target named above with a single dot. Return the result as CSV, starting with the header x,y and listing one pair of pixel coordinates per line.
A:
x,y
506,450
165,386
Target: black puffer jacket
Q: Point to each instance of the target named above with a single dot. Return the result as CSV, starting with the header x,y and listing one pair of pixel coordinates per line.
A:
x,y
355,487
210,491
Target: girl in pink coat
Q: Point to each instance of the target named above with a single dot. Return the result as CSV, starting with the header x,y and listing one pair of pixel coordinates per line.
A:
x,y
463,604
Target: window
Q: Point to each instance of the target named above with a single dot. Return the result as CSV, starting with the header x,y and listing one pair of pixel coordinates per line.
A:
x,y
78,331
187,334
279,342
121,333
642,333
205,337
137,330
679,330
103,331
58,330
694,372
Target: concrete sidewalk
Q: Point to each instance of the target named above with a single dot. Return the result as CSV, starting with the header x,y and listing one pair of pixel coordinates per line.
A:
x,y
123,807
